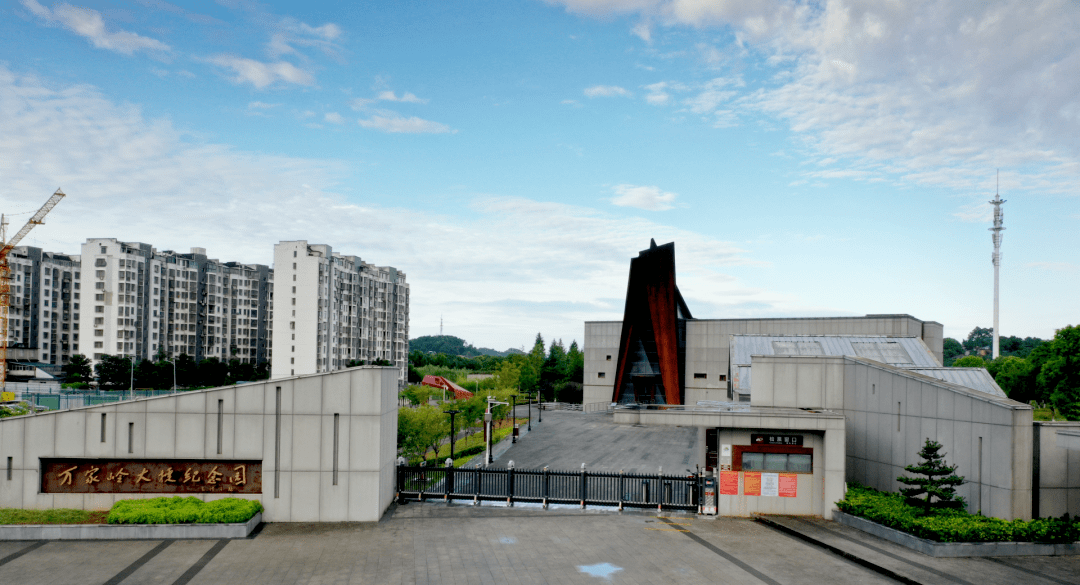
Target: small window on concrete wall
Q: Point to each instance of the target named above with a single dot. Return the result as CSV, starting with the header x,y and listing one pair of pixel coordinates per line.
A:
x,y
699,376
601,374
723,377
609,358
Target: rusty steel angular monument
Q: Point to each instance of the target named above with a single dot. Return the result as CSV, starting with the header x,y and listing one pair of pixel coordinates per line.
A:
x,y
652,346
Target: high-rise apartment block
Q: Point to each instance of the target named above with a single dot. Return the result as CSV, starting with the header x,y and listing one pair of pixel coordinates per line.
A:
x,y
333,309
129,299
147,303
44,313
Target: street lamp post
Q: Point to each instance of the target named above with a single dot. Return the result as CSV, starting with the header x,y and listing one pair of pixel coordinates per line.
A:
x,y
530,413
131,388
513,418
539,407
451,413
487,425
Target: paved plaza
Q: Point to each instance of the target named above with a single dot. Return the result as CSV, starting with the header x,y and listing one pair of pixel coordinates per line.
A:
x,y
566,439
461,544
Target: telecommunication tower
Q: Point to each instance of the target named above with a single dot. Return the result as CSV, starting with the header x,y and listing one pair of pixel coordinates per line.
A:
x,y
996,258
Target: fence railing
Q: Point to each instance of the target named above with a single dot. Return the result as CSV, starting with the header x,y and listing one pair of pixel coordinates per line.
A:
x,y
544,486
65,400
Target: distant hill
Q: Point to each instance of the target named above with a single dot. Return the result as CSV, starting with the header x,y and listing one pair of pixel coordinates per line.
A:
x,y
451,345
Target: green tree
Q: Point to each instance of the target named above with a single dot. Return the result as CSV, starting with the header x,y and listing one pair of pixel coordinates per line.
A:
x,y
936,481
113,372
421,429
553,370
576,363
950,350
979,338
1059,376
533,366
77,369
970,361
1016,376
212,372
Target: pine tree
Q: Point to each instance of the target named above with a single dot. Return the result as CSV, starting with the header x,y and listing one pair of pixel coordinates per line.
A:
x,y
938,480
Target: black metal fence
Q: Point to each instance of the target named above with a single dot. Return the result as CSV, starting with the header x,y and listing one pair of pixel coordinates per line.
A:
x,y
584,488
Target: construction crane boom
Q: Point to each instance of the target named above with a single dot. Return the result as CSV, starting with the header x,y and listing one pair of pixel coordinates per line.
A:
x,y
5,274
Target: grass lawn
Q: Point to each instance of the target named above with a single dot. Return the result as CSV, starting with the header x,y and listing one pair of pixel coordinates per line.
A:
x,y
57,516
503,428
1047,414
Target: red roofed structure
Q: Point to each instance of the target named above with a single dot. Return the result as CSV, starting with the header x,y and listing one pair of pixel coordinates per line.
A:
x,y
444,384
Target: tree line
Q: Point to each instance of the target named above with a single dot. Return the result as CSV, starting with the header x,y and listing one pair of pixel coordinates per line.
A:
x,y
113,372
1046,372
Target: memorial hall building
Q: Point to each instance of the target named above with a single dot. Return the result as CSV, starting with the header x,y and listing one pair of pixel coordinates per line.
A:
x,y
791,409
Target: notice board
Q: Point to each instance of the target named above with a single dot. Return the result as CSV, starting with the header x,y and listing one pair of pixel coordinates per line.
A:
x,y
752,483
789,485
729,483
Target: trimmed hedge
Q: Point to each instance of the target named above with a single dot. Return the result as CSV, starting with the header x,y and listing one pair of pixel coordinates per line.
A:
x,y
952,525
179,510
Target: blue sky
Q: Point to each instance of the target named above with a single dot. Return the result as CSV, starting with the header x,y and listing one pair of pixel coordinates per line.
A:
x,y
807,158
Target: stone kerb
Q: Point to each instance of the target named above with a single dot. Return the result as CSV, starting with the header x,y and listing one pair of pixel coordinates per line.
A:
x,y
956,549
128,531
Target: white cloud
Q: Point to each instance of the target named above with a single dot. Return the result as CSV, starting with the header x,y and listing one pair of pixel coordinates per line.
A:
x,y
395,123
407,97
290,33
644,197
261,105
657,95
606,91
334,118
140,179
643,31
959,103
89,23
262,74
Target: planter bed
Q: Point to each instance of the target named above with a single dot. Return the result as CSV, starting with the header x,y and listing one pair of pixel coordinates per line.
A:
x,y
956,549
127,531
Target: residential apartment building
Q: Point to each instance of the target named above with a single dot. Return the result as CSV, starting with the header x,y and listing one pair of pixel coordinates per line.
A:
x,y
44,311
332,309
148,303
143,303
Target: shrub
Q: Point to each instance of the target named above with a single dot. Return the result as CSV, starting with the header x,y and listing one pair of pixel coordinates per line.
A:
x,y
952,525
179,510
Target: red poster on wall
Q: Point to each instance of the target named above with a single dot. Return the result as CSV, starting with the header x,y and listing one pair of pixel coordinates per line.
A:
x,y
729,483
751,483
789,485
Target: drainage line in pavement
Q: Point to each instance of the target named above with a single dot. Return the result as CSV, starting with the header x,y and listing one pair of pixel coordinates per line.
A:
x,y
726,555
198,566
1029,571
838,551
138,563
15,555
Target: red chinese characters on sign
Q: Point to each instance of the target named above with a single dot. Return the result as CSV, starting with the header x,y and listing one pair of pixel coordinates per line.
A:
x,y
98,476
751,483
729,483
789,485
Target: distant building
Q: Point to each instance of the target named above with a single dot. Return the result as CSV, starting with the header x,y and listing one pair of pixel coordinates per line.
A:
x,y
333,309
44,313
146,302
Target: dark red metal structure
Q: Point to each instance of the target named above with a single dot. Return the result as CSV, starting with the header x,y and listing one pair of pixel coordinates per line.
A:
x,y
652,346
444,384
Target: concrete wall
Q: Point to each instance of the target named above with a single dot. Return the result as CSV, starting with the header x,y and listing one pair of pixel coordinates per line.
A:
x,y
1058,457
185,426
890,412
601,357
708,342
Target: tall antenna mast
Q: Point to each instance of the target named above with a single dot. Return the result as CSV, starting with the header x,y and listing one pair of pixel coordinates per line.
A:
x,y
996,258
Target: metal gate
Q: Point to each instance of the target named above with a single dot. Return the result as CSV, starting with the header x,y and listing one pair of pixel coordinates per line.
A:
x,y
584,488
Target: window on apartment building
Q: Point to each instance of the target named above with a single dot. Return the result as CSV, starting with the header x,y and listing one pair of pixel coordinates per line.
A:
x,y
99,309
99,285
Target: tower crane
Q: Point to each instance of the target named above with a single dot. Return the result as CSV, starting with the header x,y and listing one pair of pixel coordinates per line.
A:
x,y
5,273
